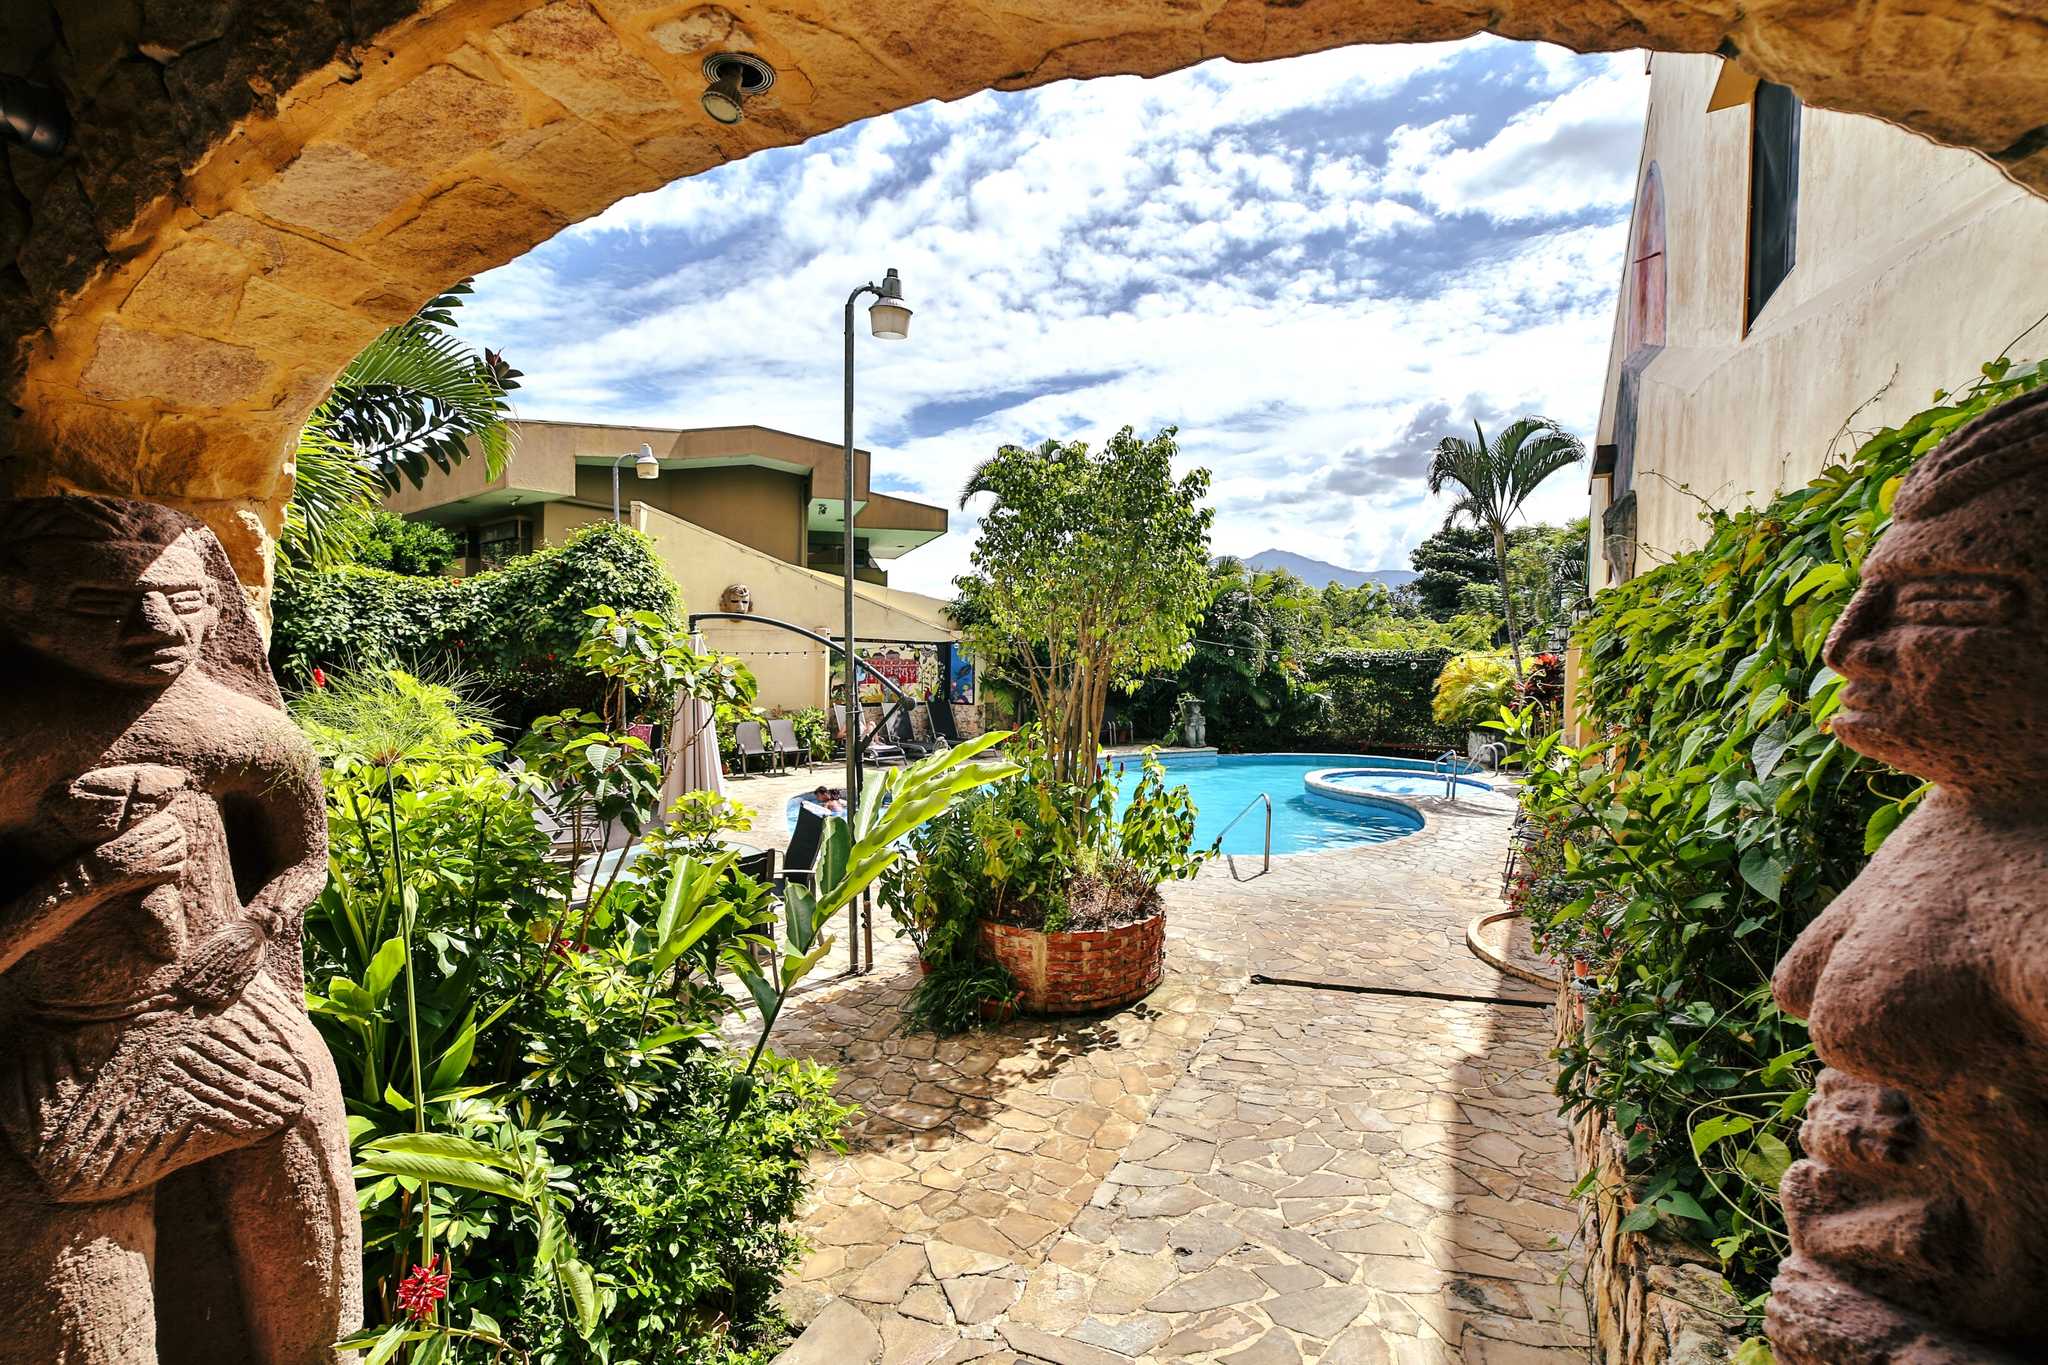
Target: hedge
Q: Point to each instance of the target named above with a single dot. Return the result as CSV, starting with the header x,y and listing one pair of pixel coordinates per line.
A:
x,y
1381,698
509,632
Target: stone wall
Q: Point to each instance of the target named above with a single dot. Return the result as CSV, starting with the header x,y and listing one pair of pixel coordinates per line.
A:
x,y
254,189
1652,1300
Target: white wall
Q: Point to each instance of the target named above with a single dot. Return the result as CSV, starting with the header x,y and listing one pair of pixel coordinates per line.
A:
x,y
1914,264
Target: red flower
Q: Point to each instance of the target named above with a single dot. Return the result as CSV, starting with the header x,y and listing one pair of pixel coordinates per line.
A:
x,y
319,676
419,1291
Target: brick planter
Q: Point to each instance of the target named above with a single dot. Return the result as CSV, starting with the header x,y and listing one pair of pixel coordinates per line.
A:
x,y
1080,971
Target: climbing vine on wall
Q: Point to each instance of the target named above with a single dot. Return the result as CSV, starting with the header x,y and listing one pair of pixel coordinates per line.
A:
x,y
511,633
1716,815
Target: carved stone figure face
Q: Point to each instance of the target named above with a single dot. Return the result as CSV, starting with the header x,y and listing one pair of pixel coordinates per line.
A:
x,y
122,611
737,598
1945,646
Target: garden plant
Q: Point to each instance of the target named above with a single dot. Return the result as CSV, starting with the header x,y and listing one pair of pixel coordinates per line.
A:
x,y
1707,823
573,1142
1010,854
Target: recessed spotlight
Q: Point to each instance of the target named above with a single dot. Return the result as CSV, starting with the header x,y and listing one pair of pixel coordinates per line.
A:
x,y
735,78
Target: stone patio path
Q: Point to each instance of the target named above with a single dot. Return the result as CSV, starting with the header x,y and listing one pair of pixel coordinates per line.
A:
x,y
1345,1168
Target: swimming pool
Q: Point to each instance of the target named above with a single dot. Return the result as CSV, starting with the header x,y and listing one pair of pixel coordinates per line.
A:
x,y
1222,785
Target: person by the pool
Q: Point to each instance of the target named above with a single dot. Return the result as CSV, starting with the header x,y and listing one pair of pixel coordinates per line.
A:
x,y
832,800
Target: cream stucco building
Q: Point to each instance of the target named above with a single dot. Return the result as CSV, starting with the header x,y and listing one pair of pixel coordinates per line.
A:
x,y
731,507
1789,267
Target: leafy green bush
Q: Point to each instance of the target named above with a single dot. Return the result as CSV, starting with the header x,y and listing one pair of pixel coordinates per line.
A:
x,y
419,549
1724,817
696,1219
511,1031
1472,689
510,633
1380,698
813,731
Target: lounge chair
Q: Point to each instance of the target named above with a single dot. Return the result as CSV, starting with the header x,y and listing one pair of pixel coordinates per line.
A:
x,y
799,860
897,730
788,748
872,749
746,737
940,713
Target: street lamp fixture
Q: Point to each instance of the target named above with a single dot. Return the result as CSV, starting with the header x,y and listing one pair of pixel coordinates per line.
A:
x,y
889,315
889,319
645,466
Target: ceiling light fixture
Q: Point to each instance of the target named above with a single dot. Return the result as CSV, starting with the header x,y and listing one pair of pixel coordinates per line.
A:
x,y
735,78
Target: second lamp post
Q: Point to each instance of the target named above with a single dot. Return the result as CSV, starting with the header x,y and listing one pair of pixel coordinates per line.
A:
x,y
889,319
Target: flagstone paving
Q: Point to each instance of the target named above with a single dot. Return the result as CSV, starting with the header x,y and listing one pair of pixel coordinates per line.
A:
x,y
1233,1169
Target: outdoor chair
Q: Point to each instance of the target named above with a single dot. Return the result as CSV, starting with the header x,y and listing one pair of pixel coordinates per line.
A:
x,y
788,747
897,730
760,866
940,713
799,860
746,737
872,750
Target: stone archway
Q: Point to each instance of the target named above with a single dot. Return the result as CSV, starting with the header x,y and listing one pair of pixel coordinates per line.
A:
x,y
253,191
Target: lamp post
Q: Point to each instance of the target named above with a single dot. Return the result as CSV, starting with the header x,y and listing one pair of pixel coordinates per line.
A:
x,y
645,466
889,319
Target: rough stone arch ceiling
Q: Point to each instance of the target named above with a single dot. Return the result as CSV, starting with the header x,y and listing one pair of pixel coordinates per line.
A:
x,y
254,189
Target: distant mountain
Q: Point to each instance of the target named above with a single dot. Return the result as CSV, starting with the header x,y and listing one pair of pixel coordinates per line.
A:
x,y
1318,574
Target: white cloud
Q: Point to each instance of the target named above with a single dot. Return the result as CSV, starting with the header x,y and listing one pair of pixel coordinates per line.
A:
x,y
1282,260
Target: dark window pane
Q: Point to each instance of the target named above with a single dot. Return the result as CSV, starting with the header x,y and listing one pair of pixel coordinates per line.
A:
x,y
1773,192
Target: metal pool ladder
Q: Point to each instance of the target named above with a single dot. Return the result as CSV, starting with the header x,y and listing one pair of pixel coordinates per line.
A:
x,y
1267,864
1447,763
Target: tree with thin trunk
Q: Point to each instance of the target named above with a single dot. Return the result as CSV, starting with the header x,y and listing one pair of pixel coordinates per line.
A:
x,y
1494,478
1090,573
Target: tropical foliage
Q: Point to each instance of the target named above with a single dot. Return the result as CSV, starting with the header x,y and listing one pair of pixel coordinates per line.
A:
x,y
511,632
1685,849
1011,854
1472,689
415,399
419,549
1090,572
558,1159
1493,479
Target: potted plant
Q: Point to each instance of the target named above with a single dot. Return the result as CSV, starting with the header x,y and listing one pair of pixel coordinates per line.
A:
x,y
1013,904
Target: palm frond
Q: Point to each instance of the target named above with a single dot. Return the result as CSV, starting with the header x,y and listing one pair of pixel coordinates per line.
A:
x,y
333,493
416,397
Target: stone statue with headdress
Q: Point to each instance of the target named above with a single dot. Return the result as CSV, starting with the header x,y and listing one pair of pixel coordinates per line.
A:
x,y
174,1172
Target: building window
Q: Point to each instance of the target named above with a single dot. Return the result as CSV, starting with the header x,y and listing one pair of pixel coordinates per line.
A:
x,y
1646,288
503,540
1773,193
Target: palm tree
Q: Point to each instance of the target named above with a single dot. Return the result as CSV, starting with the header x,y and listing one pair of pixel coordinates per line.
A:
x,y
415,398
1494,479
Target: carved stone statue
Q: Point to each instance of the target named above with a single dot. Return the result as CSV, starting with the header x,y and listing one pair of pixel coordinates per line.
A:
x,y
1919,1217
174,1170
737,597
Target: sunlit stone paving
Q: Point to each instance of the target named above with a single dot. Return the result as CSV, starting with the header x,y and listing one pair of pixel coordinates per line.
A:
x,y
1347,1167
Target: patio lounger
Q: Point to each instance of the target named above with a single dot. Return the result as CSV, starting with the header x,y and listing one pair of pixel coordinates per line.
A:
x,y
787,746
746,737
940,714
896,728
873,750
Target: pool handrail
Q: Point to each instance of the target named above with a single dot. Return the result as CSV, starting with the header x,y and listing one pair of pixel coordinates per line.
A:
x,y
1447,763
1267,865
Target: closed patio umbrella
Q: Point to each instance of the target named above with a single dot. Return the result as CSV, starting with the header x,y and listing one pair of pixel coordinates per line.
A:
x,y
693,760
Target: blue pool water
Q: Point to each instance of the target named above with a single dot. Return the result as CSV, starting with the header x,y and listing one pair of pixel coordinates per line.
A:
x,y
1397,783
1222,786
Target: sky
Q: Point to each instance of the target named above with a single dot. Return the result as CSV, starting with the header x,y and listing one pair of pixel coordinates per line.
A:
x,y
1313,268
